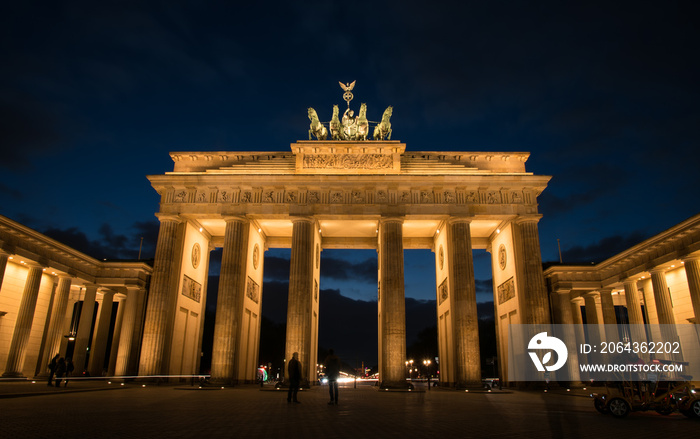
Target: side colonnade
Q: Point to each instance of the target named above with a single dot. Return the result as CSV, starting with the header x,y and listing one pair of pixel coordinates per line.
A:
x,y
54,300
654,282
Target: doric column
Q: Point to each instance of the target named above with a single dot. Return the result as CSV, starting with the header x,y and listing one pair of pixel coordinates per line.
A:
x,y
609,319
299,304
562,307
99,339
84,328
465,319
23,324
58,316
662,298
392,303
578,328
664,310
229,303
608,306
114,349
562,315
158,327
592,320
128,349
692,272
634,306
534,303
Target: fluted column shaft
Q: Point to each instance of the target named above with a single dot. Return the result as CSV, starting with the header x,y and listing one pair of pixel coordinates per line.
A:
x,y
578,328
23,325
662,298
84,329
114,349
533,301
634,306
664,310
57,320
299,304
562,307
392,302
229,303
158,327
126,346
465,318
692,272
99,339
608,307
562,316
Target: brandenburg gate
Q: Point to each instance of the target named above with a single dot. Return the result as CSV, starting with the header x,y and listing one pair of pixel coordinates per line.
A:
x,y
351,194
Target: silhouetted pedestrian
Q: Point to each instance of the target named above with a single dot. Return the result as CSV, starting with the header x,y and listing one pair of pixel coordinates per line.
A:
x,y
60,371
332,366
69,370
294,371
52,368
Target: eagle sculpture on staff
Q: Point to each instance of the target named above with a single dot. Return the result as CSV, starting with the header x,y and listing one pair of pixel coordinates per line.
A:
x,y
348,91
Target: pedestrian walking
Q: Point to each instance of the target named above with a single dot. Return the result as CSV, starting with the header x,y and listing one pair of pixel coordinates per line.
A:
x,y
332,366
60,371
69,370
52,368
294,372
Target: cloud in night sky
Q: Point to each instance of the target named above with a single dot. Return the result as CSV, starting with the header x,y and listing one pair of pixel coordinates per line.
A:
x,y
111,245
601,250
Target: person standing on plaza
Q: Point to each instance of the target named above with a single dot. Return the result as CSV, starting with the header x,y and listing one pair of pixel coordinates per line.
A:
x,y
60,371
294,371
52,368
332,366
69,370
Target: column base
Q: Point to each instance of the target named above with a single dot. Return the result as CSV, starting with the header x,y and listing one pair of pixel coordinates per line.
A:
x,y
396,386
13,375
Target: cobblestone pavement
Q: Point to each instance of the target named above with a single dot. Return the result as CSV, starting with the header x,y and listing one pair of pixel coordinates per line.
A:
x,y
133,411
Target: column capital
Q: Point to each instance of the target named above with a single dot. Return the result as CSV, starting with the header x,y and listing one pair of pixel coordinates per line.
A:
x,y
391,219
692,257
657,271
235,219
302,219
632,281
527,219
562,291
594,294
459,219
162,217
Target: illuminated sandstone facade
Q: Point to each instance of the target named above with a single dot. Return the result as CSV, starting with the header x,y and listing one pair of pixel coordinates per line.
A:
x,y
656,282
340,194
41,281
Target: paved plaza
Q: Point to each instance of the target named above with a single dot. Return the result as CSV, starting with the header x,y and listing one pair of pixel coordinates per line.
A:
x,y
100,410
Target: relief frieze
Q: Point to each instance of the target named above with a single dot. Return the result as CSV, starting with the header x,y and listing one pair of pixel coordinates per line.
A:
x,y
506,291
348,161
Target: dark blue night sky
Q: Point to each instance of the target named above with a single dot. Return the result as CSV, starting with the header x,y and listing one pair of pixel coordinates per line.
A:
x,y
94,95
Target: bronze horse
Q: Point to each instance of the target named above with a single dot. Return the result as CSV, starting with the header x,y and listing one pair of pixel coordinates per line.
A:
x,y
383,129
336,129
316,128
362,123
